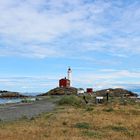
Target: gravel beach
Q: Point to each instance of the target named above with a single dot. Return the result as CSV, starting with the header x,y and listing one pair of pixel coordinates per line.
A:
x,y
10,112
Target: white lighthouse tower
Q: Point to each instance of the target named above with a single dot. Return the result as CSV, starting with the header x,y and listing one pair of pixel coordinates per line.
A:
x,y
70,75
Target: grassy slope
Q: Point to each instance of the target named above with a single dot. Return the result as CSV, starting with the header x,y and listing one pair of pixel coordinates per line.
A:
x,y
105,122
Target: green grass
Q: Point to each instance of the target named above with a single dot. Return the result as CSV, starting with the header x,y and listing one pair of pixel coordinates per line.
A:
x,y
110,109
82,125
119,128
134,112
26,101
48,115
70,100
124,130
89,109
92,133
105,121
24,117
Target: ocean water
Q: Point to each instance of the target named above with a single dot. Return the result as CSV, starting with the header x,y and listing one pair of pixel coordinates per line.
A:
x,y
17,100
6,101
137,91
31,93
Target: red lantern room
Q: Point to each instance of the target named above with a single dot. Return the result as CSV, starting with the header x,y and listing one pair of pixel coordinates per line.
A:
x,y
64,82
89,90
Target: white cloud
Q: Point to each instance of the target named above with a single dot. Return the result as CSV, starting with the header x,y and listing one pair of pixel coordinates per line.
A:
x,y
91,26
104,78
29,83
108,78
74,29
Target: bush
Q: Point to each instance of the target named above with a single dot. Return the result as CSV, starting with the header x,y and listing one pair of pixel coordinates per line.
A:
x,y
122,129
24,117
70,100
118,128
27,100
82,125
108,109
92,133
89,109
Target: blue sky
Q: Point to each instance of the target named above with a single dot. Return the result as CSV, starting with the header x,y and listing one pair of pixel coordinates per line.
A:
x,y
39,39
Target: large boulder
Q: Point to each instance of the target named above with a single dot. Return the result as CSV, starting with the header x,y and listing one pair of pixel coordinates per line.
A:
x,y
117,92
61,91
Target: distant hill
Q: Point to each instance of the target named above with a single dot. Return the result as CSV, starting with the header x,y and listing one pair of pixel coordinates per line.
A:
x,y
61,91
10,94
115,92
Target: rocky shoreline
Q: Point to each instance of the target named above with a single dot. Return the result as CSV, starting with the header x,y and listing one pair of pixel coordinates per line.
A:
x,y
117,92
10,94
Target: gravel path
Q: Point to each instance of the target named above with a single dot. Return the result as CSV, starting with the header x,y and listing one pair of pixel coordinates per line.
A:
x,y
16,111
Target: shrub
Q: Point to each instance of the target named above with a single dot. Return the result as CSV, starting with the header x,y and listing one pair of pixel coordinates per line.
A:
x,y
48,115
26,101
32,118
108,109
89,109
92,133
118,128
70,100
24,117
82,125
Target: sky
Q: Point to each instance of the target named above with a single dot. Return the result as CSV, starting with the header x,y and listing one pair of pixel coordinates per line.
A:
x,y
98,39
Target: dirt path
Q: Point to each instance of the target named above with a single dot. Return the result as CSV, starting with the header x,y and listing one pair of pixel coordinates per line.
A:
x,y
20,110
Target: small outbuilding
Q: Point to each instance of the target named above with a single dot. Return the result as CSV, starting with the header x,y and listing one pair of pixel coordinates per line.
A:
x,y
99,99
80,91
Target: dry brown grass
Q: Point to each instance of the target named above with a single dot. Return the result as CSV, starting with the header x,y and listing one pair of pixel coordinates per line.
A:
x,y
105,122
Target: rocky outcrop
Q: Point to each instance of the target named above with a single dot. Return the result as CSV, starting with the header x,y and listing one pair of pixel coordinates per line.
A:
x,y
118,92
9,94
61,91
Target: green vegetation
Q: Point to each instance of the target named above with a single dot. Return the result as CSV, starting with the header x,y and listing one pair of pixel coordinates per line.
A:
x,y
118,128
92,134
70,100
79,121
27,100
89,108
110,109
82,125
24,117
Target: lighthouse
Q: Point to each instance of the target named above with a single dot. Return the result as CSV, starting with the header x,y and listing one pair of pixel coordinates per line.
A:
x,y
69,75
